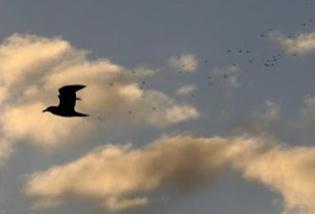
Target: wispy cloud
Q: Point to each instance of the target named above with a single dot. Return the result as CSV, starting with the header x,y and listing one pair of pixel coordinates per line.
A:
x,y
302,44
185,90
184,62
268,121
228,75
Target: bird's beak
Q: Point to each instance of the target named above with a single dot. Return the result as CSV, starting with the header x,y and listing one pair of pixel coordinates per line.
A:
x,y
44,110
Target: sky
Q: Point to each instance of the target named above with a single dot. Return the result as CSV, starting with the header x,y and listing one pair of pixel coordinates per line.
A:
x,y
196,106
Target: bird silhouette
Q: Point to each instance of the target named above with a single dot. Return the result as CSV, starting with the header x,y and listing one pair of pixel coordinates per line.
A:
x,y
67,100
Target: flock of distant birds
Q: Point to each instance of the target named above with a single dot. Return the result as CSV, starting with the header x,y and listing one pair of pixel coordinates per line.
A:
x,y
67,94
268,62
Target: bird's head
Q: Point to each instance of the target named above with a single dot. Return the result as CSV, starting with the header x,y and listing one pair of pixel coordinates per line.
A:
x,y
49,109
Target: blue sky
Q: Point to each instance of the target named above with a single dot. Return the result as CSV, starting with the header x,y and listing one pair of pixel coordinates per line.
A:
x,y
170,45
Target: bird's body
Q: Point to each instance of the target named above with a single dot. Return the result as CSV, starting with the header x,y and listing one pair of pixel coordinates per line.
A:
x,y
67,100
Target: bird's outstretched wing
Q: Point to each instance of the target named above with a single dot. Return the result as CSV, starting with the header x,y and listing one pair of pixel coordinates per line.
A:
x,y
67,96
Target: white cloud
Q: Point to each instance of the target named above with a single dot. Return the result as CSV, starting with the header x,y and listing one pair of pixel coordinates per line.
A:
x,y
186,89
302,44
184,62
33,68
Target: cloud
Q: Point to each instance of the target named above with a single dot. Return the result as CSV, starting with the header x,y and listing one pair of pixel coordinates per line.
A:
x,y
121,177
184,62
185,90
268,121
33,68
302,44
228,75
287,171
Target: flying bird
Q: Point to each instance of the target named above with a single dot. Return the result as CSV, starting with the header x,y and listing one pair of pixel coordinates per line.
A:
x,y
67,99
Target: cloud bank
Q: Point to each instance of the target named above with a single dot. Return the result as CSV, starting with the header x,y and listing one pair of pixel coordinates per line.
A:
x,y
122,177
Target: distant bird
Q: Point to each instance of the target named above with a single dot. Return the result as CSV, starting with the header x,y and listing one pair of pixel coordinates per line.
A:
x,y
67,100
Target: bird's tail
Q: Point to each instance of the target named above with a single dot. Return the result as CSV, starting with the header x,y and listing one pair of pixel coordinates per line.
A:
x,y
81,114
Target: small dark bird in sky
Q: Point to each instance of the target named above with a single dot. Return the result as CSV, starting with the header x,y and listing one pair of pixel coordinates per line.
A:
x,y
225,76
229,51
262,35
67,100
